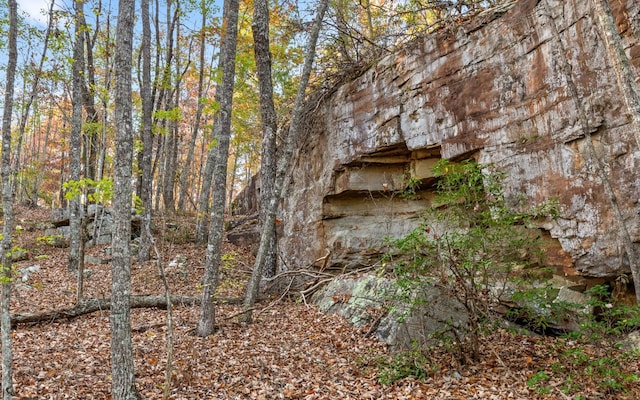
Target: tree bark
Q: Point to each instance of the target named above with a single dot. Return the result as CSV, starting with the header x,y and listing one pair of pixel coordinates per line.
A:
x,y
41,157
168,97
144,191
88,98
186,172
261,41
206,325
204,206
75,209
631,96
7,207
122,367
102,153
284,163
32,96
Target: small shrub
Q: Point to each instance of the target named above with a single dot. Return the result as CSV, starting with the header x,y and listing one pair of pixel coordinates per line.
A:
x,y
578,365
229,260
609,318
411,187
18,253
538,381
539,310
50,240
412,363
471,244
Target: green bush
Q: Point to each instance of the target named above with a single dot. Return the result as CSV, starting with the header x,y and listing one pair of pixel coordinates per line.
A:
x,y
609,318
411,363
576,364
50,240
472,244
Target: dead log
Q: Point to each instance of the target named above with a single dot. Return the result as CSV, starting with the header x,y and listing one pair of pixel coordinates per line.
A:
x,y
89,306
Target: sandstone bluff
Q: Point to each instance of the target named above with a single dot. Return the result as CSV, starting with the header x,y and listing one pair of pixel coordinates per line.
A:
x,y
534,90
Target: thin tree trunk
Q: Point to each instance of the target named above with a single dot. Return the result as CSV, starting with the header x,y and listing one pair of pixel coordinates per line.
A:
x,y
144,250
88,95
631,96
34,91
234,173
7,207
205,192
591,154
283,165
122,367
107,86
186,172
269,125
166,181
174,124
41,157
75,209
207,323
160,90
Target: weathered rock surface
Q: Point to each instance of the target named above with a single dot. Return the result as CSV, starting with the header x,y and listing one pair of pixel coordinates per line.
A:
x,y
366,301
631,343
99,228
533,91
380,305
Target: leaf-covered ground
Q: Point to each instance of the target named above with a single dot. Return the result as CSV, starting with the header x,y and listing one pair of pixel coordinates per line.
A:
x,y
291,351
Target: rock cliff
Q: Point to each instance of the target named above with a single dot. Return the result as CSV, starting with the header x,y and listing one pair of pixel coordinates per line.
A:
x,y
543,91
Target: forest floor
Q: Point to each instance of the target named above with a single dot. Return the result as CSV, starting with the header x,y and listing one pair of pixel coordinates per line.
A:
x,y
291,351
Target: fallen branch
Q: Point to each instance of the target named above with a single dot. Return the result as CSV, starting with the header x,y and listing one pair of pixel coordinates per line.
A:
x,y
273,303
89,306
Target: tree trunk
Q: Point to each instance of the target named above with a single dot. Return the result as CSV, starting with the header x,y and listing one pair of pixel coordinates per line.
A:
x,y
32,95
167,96
207,323
186,172
268,230
591,154
123,379
168,170
269,124
102,153
144,190
205,191
41,157
7,207
88,95
232,183
173,134
631,96
89,306
75,209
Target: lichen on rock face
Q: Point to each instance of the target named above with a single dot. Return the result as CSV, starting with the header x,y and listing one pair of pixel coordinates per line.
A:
x,y
358,300
372,301
500,93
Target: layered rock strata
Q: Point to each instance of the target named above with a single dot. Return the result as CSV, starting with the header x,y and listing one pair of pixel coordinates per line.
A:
x,y
539,91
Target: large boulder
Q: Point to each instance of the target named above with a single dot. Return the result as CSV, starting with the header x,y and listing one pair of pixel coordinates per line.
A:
x,y
535,92
100,224
373,302
404,318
